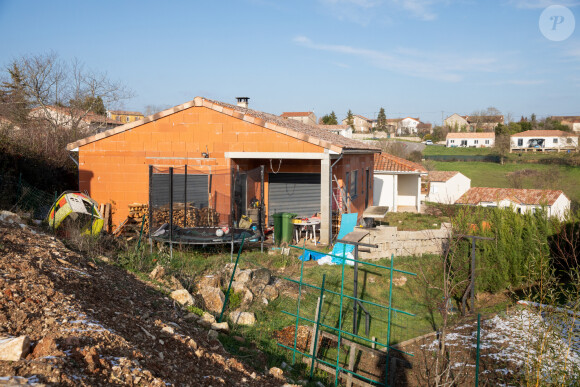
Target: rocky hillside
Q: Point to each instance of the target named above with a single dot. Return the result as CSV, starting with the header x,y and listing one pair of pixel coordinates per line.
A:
x,y
69,320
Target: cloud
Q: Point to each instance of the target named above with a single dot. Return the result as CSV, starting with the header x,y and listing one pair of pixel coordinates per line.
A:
x,y
534,4
447,67
419,8
364,11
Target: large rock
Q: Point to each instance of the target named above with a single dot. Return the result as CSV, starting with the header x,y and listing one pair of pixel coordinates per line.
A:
x,y
261,277
158,273
221,327
243,276
206,320
243,318
270,292
174,283
183,297
14,348
209,281
213,298
45,347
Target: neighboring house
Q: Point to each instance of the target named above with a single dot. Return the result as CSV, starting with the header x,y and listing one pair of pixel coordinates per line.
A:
x,y
470,139
67,118
123,116
342,130
397,183
360,124
573,122
446,186
302,163
522,200
544,140
407,125
305,117
457,123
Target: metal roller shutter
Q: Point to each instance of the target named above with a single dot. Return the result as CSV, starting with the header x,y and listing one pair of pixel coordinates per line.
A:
x,y
197,189
297,193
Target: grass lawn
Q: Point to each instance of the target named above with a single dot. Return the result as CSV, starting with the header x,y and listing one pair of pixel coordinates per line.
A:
x,y
484,174
408,221
437,150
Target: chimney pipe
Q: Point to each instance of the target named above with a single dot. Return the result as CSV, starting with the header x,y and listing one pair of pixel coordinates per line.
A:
x,y
243,101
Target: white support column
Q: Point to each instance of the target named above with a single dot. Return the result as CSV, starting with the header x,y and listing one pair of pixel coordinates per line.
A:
x,y
395,192
418,193
325,199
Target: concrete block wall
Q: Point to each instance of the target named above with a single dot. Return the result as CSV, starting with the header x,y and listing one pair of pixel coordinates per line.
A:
x,y
405,243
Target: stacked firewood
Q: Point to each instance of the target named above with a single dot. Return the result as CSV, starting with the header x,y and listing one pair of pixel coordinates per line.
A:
x,y
205,217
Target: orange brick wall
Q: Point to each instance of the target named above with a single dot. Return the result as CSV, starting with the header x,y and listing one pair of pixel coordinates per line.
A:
x,y
115,169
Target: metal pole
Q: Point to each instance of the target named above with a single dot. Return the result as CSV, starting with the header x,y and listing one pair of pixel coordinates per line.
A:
x,y
340,320
355,292
171,212
298,309
231,280
185,198
477,351
389,321
150,203
141,233
315,338
261,208
472,275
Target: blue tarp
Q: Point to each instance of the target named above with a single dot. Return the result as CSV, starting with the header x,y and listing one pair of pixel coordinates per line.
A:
x,y
347,225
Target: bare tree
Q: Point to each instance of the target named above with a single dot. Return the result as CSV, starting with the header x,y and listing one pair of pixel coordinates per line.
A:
x,y
448,278
66,93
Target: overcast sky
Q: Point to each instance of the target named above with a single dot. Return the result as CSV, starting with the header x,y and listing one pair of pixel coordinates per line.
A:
x,y
424,58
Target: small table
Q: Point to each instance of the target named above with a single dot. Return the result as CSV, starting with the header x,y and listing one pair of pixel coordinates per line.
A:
x,y
306,223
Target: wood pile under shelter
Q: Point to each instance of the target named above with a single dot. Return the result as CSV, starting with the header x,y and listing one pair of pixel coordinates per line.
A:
x,y
195,217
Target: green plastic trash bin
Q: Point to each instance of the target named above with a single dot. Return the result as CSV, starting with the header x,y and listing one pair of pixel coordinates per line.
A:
x,y
278,227
287,227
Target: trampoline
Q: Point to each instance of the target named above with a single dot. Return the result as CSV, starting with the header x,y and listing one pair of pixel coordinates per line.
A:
x,y
204,235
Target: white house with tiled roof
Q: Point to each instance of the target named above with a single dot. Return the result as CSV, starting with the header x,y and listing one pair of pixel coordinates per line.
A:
x,y
521,200
470,140
407,125
544,140
445,186
397,183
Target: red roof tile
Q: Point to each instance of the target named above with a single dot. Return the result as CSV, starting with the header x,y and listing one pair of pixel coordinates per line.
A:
x,y
543,133
471,135
389,163
477,195
295,114
441,176
294,128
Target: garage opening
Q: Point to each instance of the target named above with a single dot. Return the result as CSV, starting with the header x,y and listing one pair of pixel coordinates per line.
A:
x,y
298,193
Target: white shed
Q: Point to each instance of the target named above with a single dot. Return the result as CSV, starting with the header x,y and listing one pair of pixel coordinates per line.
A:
x,y
397,183
446,186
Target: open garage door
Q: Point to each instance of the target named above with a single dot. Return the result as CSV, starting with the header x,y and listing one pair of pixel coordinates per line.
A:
x,y
298,193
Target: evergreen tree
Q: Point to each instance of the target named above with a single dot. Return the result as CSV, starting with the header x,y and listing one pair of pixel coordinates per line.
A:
x,y
350,119
382,120
329,119
14,98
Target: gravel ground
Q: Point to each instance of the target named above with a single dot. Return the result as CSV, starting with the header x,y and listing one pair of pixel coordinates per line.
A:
x,y
94,324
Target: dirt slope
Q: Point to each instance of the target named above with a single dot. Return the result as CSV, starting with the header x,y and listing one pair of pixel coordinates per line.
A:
x,y
94,324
